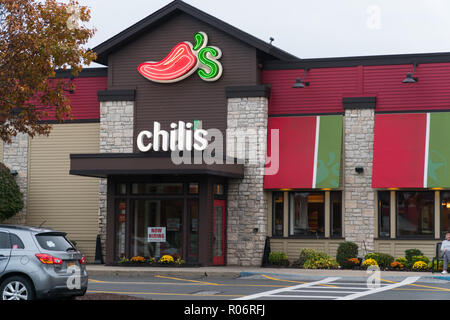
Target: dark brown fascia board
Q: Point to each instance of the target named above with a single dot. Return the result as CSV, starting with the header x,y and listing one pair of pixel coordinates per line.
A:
x,y
85,73
150,154
117,95
106,173
119,40
359,103
378,60
248,91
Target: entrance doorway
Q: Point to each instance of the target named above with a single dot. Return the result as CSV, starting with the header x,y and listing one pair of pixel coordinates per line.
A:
x,y
219,232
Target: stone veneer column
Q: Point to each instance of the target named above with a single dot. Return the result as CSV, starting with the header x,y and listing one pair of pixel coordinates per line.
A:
x,y
116,136
15,157
247,204
359,198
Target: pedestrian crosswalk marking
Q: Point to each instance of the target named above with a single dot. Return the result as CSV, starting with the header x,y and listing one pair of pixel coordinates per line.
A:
x,y
354,290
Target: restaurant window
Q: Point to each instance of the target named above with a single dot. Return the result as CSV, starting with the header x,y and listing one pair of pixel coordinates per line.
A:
x,y
306,214
336,214
193,188
121,188
278,214
384,214
415,214
218,189
157,227
445,212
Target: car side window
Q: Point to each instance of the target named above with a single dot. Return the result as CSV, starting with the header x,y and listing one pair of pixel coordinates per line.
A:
x,y
16,243
4,241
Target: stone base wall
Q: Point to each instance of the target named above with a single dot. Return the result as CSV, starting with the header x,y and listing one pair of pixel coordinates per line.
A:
x,y
15,157
359,212
247,204
116,136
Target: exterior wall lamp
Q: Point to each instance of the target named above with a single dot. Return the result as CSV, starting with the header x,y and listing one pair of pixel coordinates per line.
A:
x,y
359,169
410,76
300,83
14,173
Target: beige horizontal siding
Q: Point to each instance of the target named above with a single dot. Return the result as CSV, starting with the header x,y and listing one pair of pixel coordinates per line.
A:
x,y
397,248
292,247
67,203
1,150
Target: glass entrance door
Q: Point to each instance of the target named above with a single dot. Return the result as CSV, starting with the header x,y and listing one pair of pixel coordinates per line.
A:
x,y
219,232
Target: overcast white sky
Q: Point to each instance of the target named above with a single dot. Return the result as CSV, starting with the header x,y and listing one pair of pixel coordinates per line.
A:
x,y
307,28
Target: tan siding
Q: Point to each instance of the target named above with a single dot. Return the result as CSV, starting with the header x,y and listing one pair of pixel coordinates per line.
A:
x,y
292,247
67,203
1,151
397,248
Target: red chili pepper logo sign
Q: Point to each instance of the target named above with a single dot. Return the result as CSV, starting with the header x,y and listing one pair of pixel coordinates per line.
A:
x,y
184,60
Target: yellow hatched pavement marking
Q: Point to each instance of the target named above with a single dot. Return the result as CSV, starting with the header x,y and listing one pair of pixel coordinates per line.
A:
x,y
292,281
194,281
167,294
419,285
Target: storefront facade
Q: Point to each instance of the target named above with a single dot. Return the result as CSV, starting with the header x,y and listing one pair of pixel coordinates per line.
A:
x,y
349,151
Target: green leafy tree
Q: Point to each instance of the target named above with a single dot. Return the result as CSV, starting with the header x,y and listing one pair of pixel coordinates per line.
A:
x,y
11,199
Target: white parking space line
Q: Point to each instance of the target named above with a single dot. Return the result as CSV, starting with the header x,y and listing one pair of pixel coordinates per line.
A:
x,y
273,293
357,295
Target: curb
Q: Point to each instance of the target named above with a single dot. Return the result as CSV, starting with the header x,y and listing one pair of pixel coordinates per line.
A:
x,y
159,272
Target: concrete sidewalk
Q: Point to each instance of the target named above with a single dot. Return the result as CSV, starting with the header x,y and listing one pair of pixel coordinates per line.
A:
x,y
235,272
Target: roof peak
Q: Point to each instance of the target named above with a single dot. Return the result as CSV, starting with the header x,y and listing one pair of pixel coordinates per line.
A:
x,y
127,35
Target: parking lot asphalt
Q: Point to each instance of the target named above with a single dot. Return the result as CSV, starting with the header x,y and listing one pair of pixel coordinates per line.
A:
x,y
270,287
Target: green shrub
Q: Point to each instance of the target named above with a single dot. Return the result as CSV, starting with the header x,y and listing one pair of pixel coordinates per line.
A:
x,y
305,254
401,260
411,253
11,199
420,258
278,258
345,251
383,260
325,262
311,259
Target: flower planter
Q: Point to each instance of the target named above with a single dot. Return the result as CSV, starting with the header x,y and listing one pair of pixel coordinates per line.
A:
x,y
154,265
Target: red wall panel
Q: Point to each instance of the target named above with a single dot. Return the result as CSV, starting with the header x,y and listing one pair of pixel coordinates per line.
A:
x,y
327,88
84,101
329,85
431,92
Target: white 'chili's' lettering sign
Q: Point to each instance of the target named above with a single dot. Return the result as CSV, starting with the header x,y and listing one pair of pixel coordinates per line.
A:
x,y
184,60
182,137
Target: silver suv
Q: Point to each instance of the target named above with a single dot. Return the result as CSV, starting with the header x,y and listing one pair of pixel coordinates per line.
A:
x,y
39,263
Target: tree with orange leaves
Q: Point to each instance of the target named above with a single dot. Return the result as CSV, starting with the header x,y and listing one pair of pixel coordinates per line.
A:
x,y
37,38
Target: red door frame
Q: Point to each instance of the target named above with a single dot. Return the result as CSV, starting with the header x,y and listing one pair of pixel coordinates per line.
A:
x,y
219,260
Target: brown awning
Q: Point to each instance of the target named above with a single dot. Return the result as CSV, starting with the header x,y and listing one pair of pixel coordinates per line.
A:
x,y
104,165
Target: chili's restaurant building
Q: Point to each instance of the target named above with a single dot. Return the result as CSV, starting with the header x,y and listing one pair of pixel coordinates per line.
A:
x,y
352,148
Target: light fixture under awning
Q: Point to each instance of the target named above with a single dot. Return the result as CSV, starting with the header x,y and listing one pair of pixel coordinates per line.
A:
x,y
308,152
412,150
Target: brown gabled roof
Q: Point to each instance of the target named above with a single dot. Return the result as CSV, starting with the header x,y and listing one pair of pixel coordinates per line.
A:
x,y
177,6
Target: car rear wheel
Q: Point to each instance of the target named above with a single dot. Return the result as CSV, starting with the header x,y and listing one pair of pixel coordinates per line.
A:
x,y
16,288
